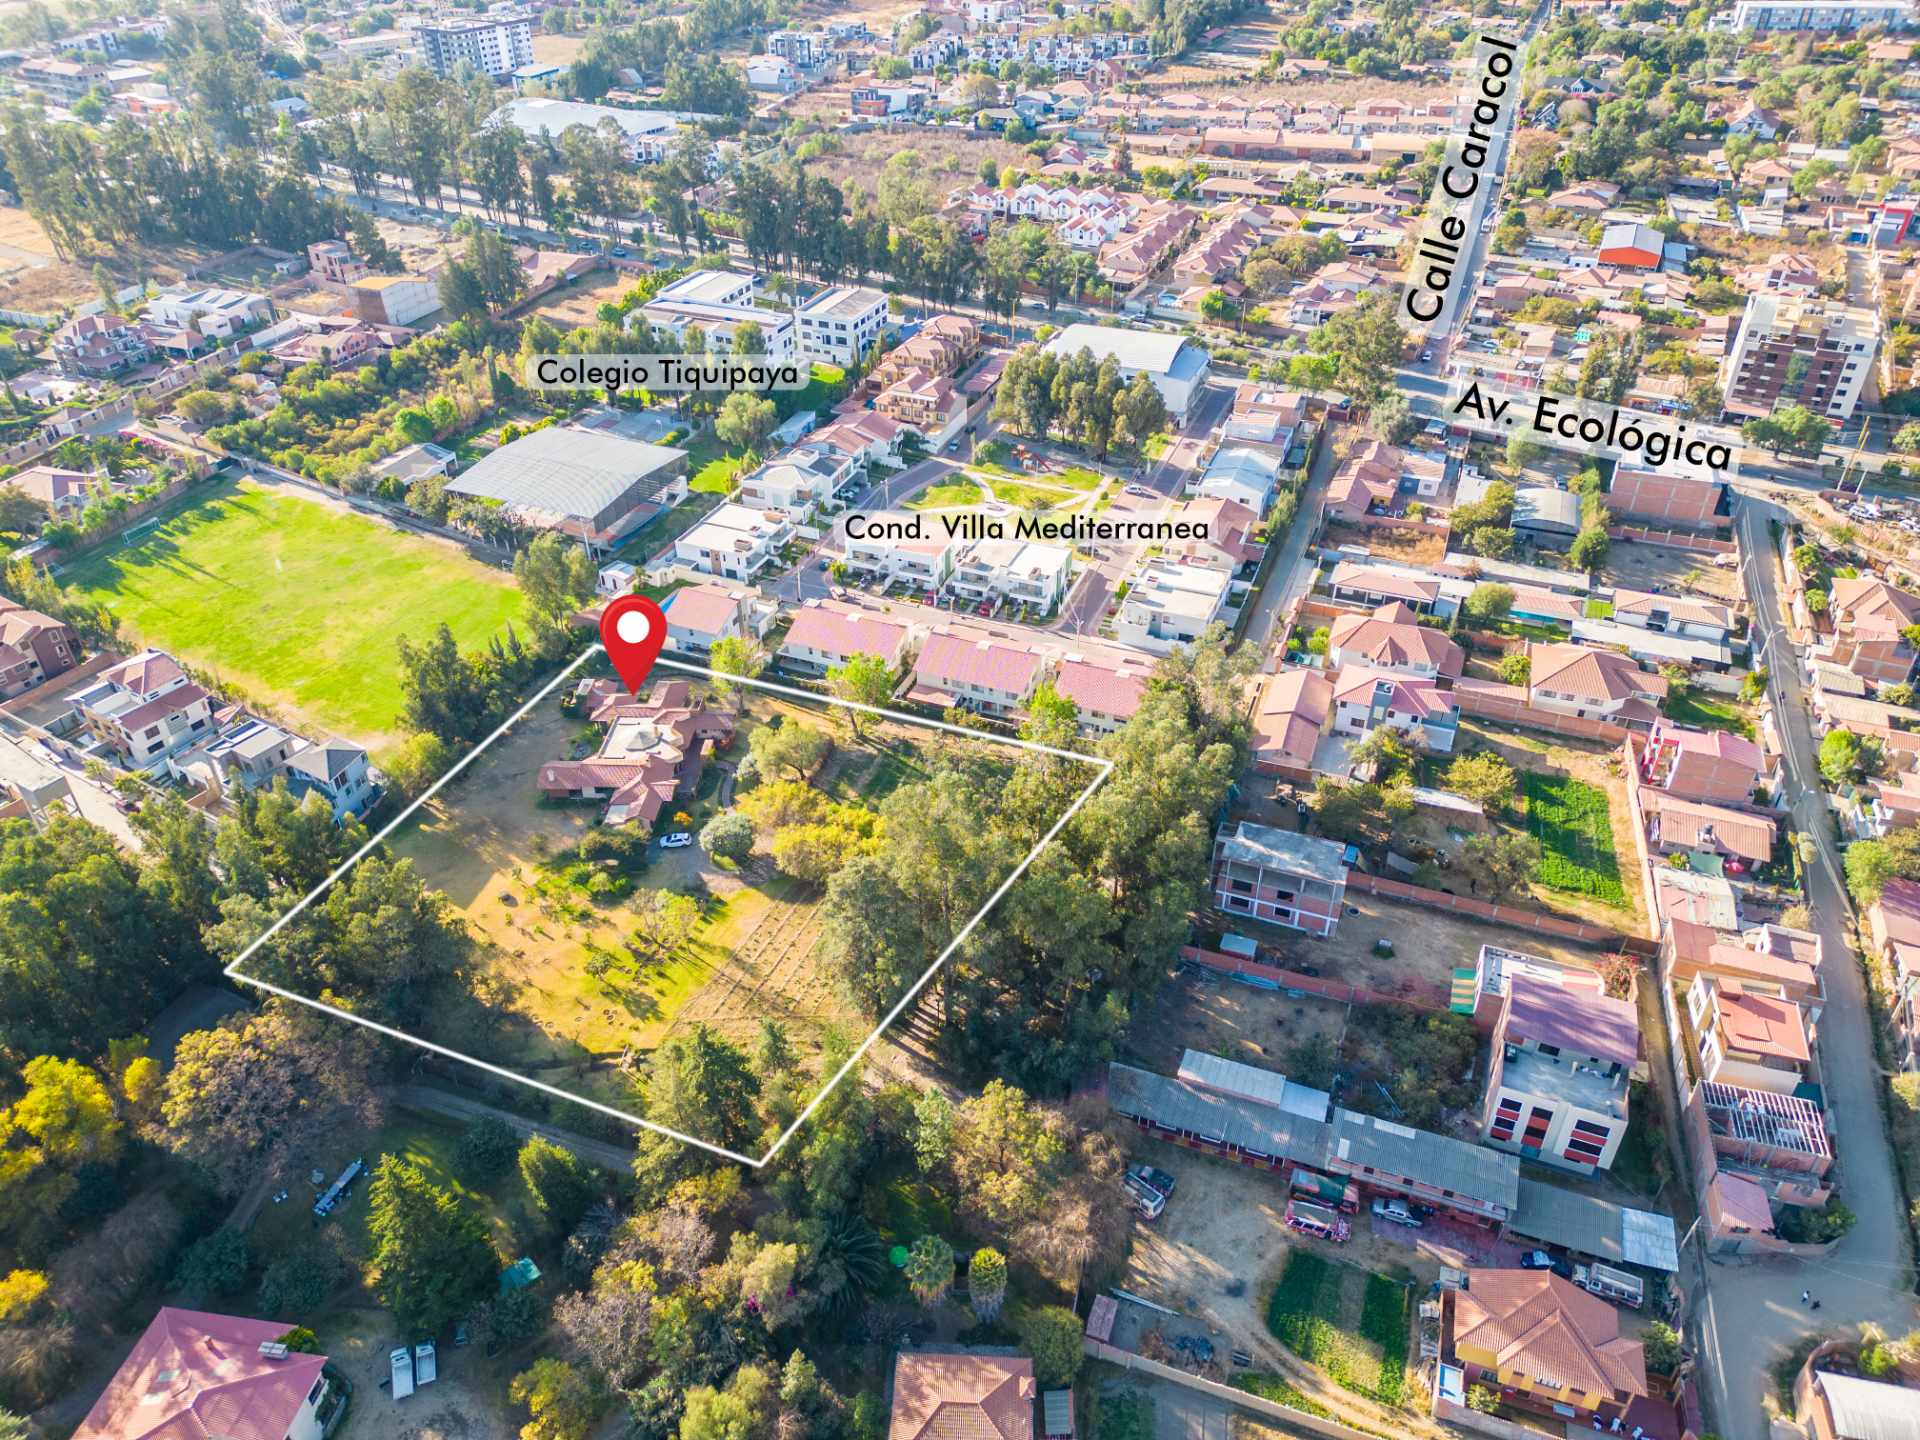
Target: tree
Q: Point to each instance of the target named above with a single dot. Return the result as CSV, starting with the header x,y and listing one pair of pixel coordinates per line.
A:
x,y
1500,865
556,575
1483,1398
742,1411
1589,548
929,1269
214,1266
66,1112
863,680
516,1316
1052,1335
1840,757
745,420
1517,668
561,1402
728,836
1487,604
735,656
791,746
20,1294
1125,1415
297,1282
1483,777
1522,452
987,1283
1006,1154
485,1151
1661,1342
1792,428
431,1253
559,1182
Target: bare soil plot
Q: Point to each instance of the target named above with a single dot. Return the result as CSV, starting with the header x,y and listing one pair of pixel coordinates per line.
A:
x,y
1406,547
1635,565
557,49
1238,1022
945,159
579,303
32,278
318,300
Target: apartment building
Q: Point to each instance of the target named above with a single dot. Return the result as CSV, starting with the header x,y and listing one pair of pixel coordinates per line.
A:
x,y
924,402
98,346
1834,15
841,324
494,44
944,345
1563,1058
1280,876
925,564
1792,349
33,648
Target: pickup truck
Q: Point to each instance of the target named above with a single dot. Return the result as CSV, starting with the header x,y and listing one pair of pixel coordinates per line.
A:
x,y
1397,1212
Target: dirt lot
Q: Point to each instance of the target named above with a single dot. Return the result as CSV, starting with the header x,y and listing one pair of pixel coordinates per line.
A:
x,y
317,301
1407,547
557,49
946,158
577,303
467,1402
31,278
1223,1017
1636,566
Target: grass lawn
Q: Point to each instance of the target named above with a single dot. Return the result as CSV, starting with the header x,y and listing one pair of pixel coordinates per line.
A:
x,y
950,496
1025,497
1687,705
296,602
711,466
1351,1323
1599,609
1571,821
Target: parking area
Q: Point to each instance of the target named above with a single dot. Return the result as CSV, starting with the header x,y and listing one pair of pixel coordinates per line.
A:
x,y
1635,565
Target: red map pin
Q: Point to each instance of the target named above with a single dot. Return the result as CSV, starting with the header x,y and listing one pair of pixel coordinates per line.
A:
x,y
633,628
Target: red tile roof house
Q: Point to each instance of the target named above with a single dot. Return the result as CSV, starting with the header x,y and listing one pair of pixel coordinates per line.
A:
x,y
653,750
144,709
1767,960
823,636
1675,826
1672,614
960,668
1280,876
1374,585
195,1376
64,492
1562,1065
1370,476
1748,1039
1545,1345
1868,618
1391,639
99,345
1287,718
953,1396
1365,699
1710,765
1229,545
33,648
1893,927
701,616
1107,696
1593,684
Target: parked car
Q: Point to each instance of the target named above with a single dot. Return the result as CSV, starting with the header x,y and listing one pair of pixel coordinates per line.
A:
x,y
679,840
1396,1212
1147,1200
1426,357
1536,1260
1158,1179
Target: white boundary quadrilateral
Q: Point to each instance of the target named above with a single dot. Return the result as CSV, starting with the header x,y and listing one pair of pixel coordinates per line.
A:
x,y
233,971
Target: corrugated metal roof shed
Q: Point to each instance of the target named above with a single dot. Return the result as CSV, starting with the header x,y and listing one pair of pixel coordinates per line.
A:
x,y
1589,1225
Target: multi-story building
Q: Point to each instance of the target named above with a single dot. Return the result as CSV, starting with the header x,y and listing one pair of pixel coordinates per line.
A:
x,y
33,648
1364,699
945,345
1168,604
1846,15
1672,614
924,402
1016,572
1748,1039
1893,927
1593,684
334,260
797,482
1177,367
976,672
1871,620
1668,499
218,313
1280,876
699,617
1709,765
840,324
494,44
143,709
63,80
1563,1058
718,303
394,299
1105,696
99,346
1392,639
1792,350
825,635
736,541
925,564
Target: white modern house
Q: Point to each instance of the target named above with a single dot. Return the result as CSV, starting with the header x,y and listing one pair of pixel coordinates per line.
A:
x,y
718,303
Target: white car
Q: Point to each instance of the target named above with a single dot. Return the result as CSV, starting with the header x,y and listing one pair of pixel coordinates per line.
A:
x,y
679,840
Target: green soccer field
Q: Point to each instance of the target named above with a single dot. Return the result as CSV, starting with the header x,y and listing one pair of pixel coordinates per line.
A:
x,y
295,602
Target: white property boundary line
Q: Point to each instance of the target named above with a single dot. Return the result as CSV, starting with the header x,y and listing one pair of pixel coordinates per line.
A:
x,y
233,971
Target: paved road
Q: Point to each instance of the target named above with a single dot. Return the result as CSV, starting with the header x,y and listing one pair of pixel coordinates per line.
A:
x,y
1291,573
1751,1312
436,1101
